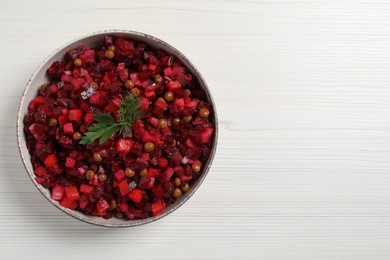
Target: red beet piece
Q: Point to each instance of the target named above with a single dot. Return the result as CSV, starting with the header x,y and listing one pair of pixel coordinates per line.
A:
x,y
86,189
68,129
72,193
88,119
84,201
174,86
102,205
123,146
50,160
157,208
146,182
120,175
123,187
75,115
206,135
70,163
67,203
40,171
158,191
57,192
136,195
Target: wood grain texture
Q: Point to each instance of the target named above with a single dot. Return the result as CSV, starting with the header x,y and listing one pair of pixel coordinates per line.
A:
x,y
303,96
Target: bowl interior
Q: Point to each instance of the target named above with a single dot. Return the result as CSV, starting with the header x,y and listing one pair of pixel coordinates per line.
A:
x,y
39,77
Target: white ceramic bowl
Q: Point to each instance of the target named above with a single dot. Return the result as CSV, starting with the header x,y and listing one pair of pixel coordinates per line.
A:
x,y
39,77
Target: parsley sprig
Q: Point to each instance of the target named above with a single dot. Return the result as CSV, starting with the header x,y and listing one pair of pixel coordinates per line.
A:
x,y
105,125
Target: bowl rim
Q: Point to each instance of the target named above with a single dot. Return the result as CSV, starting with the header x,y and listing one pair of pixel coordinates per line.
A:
x,y
203,85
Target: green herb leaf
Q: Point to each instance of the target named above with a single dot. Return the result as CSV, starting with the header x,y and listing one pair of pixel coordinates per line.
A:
x,y
105,125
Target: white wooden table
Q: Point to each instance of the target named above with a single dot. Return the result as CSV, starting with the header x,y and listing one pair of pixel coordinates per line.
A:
x,y
302,169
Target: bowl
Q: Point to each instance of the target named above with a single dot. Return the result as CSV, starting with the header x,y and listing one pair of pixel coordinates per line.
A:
x,y
40,77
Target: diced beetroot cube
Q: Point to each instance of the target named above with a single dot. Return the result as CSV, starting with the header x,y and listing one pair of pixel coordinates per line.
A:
x,y
66,78
100,98
65,141
150,94
206,135
157,208
95,181
102,205
123,187
190,143
74,53
97,213
198,121
162,162
64,111
135,78
154,121
75,115
119,175
145,156
68,129
39,180
88,119
146,182
95,99
50,160
176,158
178,73
57,169
136,195
40,171
179,102
84,201
48,108
35,103
140,164
88,56
86,189
168,173
168,72
153,59
123,146
111,108
57,192
81,170
122,71
144,102
191,103
161,103
37,130
72,193
106,79
158,191
63,119
144,75
123,206
148,137
70,163
67,203
53,89
152,67
125,48
116,101
76,83
85,74
76,72
174,86
152,172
